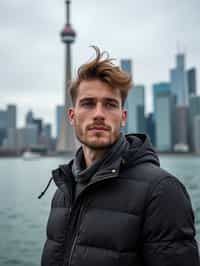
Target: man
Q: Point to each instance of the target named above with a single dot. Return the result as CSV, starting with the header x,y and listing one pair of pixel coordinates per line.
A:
x,y
114,205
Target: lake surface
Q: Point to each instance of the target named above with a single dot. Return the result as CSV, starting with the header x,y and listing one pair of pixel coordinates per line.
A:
x,y
23,217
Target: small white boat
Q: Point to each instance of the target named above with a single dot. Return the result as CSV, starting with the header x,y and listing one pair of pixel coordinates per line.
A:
x,y
28,155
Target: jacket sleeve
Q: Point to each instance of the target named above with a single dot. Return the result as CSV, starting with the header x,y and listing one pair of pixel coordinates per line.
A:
x,y
168,231
52,253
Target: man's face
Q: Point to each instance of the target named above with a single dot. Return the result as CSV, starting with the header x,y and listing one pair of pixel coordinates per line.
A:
x,y
97,115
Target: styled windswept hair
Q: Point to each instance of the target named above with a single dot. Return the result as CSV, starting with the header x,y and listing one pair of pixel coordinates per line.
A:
x,y
103,69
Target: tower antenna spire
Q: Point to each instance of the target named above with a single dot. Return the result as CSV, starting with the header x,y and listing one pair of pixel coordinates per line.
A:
x,y
68,12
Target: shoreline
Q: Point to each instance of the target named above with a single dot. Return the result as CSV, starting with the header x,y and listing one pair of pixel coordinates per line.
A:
x,y
52,155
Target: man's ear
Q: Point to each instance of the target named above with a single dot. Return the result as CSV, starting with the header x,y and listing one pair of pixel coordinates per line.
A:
x,y
71,115
124,118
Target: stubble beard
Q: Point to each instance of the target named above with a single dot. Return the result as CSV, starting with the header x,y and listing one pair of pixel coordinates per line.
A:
x,y
82,137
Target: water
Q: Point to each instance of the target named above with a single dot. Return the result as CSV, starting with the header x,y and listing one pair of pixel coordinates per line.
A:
x,y
23,217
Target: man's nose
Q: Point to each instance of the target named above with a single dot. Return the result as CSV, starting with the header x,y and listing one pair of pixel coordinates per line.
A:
x,y
99,112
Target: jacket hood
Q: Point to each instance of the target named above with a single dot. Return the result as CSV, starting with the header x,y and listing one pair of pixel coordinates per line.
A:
x,y
140,150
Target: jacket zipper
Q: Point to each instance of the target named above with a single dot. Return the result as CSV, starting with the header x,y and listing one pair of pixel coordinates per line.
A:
x,y
75,234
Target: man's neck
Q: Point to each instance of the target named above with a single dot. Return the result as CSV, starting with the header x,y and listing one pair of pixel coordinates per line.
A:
x,y
92,155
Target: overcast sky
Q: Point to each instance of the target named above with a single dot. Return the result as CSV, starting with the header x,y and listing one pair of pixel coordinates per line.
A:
x,y
32,55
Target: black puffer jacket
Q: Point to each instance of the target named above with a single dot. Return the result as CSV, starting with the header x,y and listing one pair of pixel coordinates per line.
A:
x,y
132,213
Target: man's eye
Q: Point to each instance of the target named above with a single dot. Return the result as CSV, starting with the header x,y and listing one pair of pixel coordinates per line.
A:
x,y
111,105
87,104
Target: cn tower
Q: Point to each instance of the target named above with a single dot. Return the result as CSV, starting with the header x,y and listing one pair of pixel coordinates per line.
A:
x,y
66,140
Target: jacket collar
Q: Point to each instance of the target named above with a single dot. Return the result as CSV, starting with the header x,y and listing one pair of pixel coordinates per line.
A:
x,y
64,173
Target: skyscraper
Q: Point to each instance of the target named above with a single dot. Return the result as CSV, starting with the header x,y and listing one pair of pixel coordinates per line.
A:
x,y
181,128
11,113
150,127
159,88
178,77
47,130
27,137
3,126
60,110
22,138
136,117
191,80
66,140
8,119
136,122
197,134
29,118
194,111
126,65
38,123
164,106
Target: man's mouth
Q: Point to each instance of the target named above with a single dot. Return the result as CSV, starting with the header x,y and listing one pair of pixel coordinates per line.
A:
x,y
99,128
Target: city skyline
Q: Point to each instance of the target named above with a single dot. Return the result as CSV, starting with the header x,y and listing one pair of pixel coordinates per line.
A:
x,y
173,127
32,65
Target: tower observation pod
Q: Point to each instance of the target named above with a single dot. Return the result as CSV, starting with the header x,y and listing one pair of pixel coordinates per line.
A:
x,y
66,140
68,35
